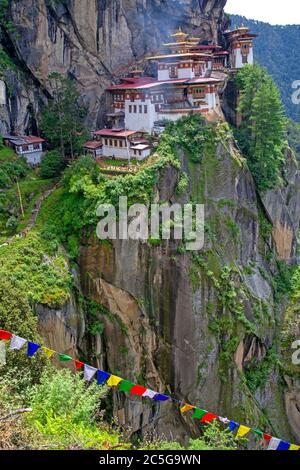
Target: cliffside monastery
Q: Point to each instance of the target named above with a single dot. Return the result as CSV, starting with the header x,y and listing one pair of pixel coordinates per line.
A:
x,y
186,83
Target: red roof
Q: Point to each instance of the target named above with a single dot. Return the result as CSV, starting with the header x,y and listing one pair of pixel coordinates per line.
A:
x,y
92,144
140,82
114,133
31,139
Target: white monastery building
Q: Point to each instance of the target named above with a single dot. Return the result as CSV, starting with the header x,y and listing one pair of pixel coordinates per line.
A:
x,y
29,147
184,85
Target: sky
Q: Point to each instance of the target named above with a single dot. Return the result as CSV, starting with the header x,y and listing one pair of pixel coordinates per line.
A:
x,y
270,11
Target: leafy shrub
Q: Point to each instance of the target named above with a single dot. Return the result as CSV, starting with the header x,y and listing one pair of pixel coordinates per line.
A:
x,y
12,224
66,395
12,170
43,278
16,315
215,437
52,165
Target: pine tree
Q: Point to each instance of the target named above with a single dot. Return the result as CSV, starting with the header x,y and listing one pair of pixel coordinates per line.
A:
x,y
263,128
62,119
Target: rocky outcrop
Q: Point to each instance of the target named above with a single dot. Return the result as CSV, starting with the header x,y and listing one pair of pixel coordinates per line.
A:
x,y
94,42
165,327
283,208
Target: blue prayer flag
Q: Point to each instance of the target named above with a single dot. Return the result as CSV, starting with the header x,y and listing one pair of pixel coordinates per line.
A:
x,y
283,445
32,349
233,425
102,377
160,397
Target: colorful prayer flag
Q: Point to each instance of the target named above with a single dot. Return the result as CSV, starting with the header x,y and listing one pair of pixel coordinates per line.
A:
x,y
293,447
258,433
89,372
233,425
16,342
267,437
32,348
48,352
149,394
113,381
5,335
102,377
138,390
274,443
224,420
125,386
78,364
198,414
64,358
283,445
242,431
186,408
208,418
161,397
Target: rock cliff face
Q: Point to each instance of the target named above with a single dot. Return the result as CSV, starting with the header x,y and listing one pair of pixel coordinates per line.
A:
x,y
93,41
193,325
170,324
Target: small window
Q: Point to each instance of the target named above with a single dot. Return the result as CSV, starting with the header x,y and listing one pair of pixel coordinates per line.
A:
x,y
135,109
110,142
106,141
141,109
145,109
140,152
130,108
120,143
116,143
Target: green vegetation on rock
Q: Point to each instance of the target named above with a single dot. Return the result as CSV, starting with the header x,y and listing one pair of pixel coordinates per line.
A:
x,y
262,133
42,276
272,49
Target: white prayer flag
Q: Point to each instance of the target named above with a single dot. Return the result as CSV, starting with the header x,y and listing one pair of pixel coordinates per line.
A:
x,y
16,342
149,393
89,372
274,443
224,420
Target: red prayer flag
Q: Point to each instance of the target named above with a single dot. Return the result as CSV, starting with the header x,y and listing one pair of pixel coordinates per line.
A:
x,y
138,390
78,364
267,437
208,418
5,335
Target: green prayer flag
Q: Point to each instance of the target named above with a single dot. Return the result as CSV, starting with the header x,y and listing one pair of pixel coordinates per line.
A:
x,y
64,358
258,432
198,414
125,386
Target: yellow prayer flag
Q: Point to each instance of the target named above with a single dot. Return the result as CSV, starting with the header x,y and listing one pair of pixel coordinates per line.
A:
x,y
113,381
242,431
293,447
186,408
48,352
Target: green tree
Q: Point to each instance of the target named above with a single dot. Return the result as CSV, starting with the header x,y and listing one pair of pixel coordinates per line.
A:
x,y
12,224
63,118
262,134
52,165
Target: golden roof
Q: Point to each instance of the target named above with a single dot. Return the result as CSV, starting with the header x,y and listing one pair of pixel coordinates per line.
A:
x,y
179,35
183,54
